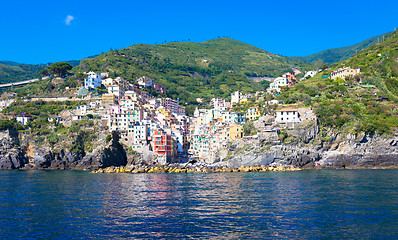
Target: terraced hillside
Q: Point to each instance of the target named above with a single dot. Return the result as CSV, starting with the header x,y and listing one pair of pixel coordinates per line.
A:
x,y
190,70
367,103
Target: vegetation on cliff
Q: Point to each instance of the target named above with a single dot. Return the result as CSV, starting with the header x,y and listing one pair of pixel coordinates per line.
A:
x,y
77,136
367,103
190,70
15,72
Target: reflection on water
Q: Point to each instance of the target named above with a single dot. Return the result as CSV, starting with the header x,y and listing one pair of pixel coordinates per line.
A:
x,y
308,204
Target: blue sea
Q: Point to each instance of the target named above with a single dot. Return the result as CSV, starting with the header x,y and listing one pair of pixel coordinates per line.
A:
x,y
317,204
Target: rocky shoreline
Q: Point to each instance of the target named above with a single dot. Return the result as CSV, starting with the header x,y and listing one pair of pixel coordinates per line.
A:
x,y
192,169
344,152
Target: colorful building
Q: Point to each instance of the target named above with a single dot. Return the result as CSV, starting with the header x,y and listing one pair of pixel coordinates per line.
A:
x,y
252,113
162,143
93,80
344,72
290,78
235,131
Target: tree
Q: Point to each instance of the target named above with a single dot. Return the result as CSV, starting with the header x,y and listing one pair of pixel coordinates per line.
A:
x,y
60,68
43,72
319,64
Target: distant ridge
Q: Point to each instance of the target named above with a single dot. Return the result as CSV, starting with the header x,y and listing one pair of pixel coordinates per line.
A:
x,y
15,72
330,56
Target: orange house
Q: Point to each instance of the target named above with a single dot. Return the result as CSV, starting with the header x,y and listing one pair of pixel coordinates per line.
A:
x,y
162,143
290,77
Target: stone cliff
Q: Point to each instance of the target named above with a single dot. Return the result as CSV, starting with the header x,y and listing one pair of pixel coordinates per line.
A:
x,y
301,148
338,151
11,154
30,155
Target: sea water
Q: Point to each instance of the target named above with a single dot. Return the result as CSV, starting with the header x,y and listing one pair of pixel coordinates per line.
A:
x,y
339,204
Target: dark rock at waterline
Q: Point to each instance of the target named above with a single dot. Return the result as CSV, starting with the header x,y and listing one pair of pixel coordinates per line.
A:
x,y
303,159
361,160
112,154
11,155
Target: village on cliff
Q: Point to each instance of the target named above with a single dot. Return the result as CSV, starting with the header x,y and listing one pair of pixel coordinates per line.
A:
x,y
160,125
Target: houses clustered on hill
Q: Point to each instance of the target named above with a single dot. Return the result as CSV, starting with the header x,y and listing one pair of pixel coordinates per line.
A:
x,y
213,129
145,123
160,125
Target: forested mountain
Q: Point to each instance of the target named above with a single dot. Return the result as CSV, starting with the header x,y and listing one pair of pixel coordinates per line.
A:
x,y
16,72
189,70
334,55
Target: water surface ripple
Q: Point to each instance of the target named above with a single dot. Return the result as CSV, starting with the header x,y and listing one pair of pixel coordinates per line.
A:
x,y
349,204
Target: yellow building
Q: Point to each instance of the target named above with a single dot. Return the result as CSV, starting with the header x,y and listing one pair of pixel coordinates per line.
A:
x,y
252,113
344,72
165,112
108,98
235,131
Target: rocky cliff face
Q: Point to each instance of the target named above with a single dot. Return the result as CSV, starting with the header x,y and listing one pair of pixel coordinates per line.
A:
x,y
348,151
34,156
361,151
11,154
111,154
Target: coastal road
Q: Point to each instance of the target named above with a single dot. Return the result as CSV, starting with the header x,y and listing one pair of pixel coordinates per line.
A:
x,y
20,83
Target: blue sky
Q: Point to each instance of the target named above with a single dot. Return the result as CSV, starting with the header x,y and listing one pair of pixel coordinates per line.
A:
x,y
38,31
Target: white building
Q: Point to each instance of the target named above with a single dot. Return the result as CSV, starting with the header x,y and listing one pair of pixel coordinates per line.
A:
x,y
239,117
23,120
93,80
82,110
287,115
277,84
228,117
116,90
107,82
310,74
236,97
145,81
220,104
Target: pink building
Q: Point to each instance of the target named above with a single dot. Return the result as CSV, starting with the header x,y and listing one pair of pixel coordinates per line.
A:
x,y
159,88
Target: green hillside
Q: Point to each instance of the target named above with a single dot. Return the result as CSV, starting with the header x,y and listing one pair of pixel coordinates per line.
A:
x,y
190,70
367,103
334,55
16,72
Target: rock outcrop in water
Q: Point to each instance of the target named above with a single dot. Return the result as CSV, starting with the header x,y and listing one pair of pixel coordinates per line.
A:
x,y
348,151
305,151
11,154
29,155
111,154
